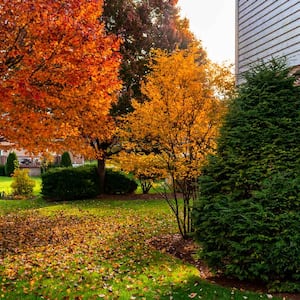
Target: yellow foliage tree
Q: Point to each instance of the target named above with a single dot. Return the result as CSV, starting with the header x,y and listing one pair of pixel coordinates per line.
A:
x,y
180,120
146,168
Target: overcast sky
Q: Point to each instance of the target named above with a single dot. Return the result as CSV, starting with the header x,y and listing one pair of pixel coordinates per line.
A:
x,y
212,21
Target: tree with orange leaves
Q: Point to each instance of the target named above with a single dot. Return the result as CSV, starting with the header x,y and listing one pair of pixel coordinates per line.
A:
x,y
179,122
58,75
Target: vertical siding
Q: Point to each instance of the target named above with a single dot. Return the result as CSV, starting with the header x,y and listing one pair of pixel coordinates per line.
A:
x,y
265,29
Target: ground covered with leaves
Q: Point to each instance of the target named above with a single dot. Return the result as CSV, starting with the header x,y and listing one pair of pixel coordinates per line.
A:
x,y
97,249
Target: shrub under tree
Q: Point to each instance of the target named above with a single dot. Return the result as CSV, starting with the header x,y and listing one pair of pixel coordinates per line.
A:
x,y
22,185
2,170
70,183
83,183
66,160
11,164
247,217
117,182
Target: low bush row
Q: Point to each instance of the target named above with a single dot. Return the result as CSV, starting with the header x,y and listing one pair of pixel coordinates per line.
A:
x,y
83,182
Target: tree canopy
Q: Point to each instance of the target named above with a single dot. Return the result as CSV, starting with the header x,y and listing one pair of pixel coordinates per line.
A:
x,y
143,25
58,75
179,121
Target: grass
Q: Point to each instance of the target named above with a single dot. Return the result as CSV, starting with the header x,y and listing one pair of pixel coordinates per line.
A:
x,y
95,249
5,183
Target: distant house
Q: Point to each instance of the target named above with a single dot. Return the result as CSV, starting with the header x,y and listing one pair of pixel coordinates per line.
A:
x,y
266,29
32,163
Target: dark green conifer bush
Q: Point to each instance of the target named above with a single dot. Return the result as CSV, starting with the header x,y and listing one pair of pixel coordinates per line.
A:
x,y
2,170
66,160
11,163
83,183
247,218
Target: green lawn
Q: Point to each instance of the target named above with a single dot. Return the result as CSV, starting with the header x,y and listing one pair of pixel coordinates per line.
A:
x,y
5,183
94,249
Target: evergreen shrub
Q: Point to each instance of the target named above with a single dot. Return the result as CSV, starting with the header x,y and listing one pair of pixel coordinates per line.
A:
x,y
11,164
118,183
70,183
247,217
22,185
83,182
66,160
2,170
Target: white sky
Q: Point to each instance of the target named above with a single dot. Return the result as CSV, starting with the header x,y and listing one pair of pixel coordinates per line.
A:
x,y
213,22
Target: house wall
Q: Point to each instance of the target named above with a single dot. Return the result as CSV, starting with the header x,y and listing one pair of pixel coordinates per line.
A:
x,y
34,163
265,29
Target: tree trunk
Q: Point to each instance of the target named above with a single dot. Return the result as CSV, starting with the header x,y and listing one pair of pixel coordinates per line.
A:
x,y
101,174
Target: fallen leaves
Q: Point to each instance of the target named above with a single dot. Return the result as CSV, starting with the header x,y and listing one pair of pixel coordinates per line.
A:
x,y
192,295
80,254
86,250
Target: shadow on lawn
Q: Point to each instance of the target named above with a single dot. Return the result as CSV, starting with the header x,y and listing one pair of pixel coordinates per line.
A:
x,y
194,288
185,250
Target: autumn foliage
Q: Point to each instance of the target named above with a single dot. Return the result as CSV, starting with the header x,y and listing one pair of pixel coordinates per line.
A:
x,y
180,120
143,25
58,74
22,185
146,168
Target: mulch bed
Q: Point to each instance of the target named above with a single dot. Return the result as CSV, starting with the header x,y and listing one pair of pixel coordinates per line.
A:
x,y
183,249
130,197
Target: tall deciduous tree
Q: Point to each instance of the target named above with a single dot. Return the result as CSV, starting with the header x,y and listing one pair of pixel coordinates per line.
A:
x,y
143,25
58,75
179,122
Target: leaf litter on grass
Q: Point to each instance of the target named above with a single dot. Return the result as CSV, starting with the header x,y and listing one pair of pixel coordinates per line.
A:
x,y
79,255
84,253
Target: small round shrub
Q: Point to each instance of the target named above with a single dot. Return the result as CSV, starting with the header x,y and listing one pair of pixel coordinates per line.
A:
x,y
66,160
11,164
22,185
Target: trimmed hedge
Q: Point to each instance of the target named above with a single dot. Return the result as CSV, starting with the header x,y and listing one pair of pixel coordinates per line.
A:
x,y
70,183
118,183
83,182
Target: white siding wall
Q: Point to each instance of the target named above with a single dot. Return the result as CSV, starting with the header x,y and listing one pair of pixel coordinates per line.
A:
x,y
265,29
